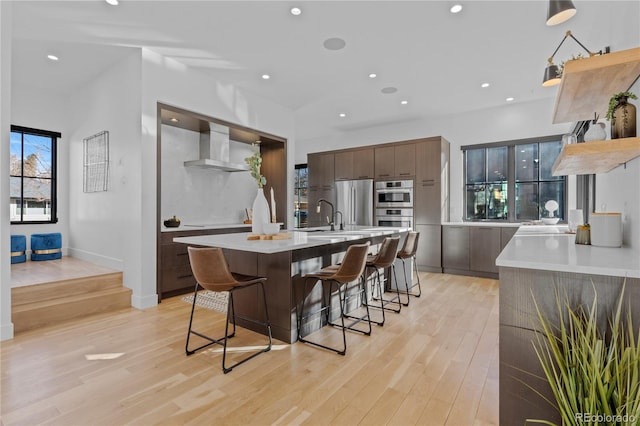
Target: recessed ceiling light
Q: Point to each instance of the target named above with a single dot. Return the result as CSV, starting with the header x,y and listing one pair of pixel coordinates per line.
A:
x,y
456,8
342,115
404,102
373,75
510,99
112,2
296,11
334,43
485,85
53,57
266,76
389,90
173,120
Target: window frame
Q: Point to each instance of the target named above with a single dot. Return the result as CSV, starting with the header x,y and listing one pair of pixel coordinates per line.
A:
x,y
54,173
511,177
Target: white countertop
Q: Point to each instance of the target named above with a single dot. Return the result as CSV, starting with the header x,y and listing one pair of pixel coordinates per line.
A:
x,y
549,247
483,223
299,239
199,226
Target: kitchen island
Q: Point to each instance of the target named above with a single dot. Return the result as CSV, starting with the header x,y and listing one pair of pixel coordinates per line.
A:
x,y
283,262
538,262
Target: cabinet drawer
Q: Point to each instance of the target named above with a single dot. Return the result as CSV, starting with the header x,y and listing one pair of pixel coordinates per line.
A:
x,y
455,247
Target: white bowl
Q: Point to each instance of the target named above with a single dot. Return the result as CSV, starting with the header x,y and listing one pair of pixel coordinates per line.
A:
x,y
270,228
550,220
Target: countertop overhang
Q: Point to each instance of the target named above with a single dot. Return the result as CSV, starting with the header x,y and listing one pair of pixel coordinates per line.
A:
x,y
314,237
551,248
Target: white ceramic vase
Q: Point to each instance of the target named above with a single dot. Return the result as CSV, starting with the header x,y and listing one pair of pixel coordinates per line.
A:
x,y
260,212
596,132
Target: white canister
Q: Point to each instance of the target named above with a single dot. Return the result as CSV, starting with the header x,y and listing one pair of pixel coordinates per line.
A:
x,y
606,229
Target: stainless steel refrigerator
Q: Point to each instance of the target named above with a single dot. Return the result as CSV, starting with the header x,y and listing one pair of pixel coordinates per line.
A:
x,y
354,199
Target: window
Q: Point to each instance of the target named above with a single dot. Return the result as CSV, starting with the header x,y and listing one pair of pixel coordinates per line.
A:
x,y
300,195
512,180
33,175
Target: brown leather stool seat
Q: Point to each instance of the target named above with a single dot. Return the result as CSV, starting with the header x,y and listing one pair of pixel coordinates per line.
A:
x,y
211,272
351,269
383,260
408,252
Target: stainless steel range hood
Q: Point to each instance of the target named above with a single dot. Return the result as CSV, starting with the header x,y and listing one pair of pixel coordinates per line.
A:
x,y
214,151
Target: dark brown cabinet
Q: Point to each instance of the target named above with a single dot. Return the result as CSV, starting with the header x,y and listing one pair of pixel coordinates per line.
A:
x,y
455,247
484,246
384,162
354,164
395,161
321,170
404,161
174,270
429,253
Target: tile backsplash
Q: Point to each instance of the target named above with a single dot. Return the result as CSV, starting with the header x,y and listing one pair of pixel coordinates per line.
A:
x,y
199,195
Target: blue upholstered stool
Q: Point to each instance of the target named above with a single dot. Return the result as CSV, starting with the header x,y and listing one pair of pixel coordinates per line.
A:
x,y
46,246
18,248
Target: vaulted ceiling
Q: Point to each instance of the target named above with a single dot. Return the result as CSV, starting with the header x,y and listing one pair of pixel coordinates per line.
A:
x,y
436,60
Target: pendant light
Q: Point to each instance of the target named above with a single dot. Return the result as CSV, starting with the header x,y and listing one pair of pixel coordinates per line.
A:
x,y
560,11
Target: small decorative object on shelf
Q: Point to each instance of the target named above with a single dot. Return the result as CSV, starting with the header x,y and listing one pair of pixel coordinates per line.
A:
x,y
622,115
596,131
583,234
174,222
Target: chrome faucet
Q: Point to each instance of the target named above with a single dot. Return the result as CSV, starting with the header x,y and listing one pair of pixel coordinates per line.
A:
x,y
321,200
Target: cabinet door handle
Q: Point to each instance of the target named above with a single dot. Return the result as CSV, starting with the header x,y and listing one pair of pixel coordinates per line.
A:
x,y
383,175
363,177
428,180
405,174
428,184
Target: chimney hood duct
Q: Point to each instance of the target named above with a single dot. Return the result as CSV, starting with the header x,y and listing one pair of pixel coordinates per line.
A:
x,y
214,151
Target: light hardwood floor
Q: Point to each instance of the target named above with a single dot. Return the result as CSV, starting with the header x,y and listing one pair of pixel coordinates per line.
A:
x,y
436,363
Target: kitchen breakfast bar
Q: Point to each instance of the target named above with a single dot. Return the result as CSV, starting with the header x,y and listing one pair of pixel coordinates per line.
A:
x,y
283,262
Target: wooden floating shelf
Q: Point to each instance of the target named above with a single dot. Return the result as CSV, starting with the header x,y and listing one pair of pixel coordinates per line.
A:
x,y
596,156
588,84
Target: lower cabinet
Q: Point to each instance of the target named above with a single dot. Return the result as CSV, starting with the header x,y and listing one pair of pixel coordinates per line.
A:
x,y
455,247
429,254
484,248
174,270
472,250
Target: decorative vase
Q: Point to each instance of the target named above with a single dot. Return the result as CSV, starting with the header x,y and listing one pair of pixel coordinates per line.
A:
x,y
595,133
623,120
260,212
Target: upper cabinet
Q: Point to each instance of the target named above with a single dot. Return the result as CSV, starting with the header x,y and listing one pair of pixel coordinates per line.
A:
x,y
588,84
321,170
354,164
586,87
397,161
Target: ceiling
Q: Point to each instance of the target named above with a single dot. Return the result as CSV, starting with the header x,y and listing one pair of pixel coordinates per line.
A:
x,y
435,59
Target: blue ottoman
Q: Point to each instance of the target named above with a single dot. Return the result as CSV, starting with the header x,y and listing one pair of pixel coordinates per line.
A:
x,y
46,246
18,248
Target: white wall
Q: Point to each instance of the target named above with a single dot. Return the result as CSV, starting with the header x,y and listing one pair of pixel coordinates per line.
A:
x,y
104,226
6,326
40,109
200,195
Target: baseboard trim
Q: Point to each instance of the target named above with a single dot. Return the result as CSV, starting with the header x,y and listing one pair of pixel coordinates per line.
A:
x,y
107,262
144,302
6,331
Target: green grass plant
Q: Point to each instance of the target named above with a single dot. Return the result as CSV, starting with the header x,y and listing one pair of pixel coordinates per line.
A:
x,y
593,373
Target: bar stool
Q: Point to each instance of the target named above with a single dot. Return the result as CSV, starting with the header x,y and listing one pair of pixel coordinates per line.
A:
x,y
408,251
211,271
383,260
351,269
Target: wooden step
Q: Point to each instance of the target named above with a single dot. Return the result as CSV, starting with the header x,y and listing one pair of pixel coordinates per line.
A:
x,y
28,316
65,288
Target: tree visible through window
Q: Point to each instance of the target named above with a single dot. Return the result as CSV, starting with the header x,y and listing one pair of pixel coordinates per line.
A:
x,y
32,178
512,180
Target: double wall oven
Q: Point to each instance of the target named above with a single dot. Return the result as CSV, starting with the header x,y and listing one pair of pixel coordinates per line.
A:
x,y
394,203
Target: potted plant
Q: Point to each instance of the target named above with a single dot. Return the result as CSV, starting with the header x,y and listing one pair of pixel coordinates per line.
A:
x,y
593,373
622,115
260,214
